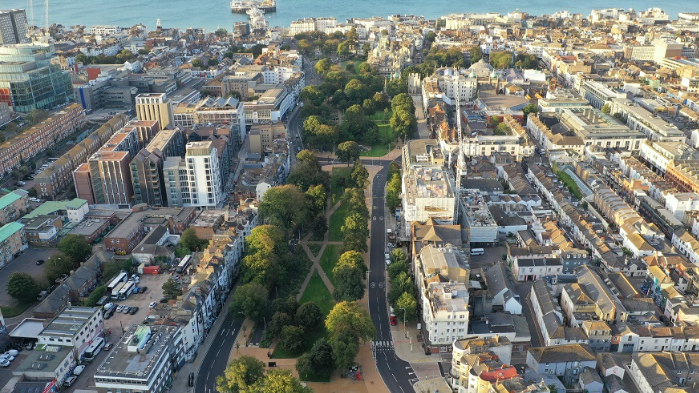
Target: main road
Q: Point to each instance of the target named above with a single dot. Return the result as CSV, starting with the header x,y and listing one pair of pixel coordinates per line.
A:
x,y
396,373
216,358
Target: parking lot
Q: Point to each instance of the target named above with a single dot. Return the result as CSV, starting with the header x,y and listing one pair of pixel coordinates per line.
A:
x,y
492,254
25,263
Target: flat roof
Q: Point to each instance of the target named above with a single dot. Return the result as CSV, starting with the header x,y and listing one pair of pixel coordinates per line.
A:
x,y
51,207
28,328
44,358
70,321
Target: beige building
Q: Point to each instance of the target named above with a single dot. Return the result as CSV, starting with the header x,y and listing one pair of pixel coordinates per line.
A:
x,y
12,241
262,136
154,106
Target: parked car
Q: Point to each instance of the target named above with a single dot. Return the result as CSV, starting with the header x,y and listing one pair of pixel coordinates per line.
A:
x,y
7,357
163,300
70,381
108,346
153,304
126,309
133,310
4,363
78,370
191,379
12,352
120,308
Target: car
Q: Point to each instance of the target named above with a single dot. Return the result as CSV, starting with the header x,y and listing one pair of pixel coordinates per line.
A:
x,y
108,314
78,370
108,346
133,310
143,289
7,357
4,363
21,183
40,262
163,300
108,306
70,381
191,379
12,352
120,308
126,309
153,304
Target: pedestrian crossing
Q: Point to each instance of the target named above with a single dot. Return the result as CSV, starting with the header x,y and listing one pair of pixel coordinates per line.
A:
x,y
382,345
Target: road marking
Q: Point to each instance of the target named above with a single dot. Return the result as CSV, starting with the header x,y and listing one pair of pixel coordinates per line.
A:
x,y
373,284
219,351
394,378
374,218
381,218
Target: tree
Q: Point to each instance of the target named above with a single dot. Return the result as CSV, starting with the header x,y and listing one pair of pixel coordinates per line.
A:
x,y
495,120
212,62
279,381
606,109
345,348
288,305
349,273
221,33
501,59
401,283
35,116
76,247
355,232
95,296
197,63
292,339
407,301
530,108
350,319
57,266
304,366
240,374
284,205
476,53
393,190
319,361
308,316
278,322
359,175
396,268
171,289
348,151
23,287
317,197
191,241
251,300
323,66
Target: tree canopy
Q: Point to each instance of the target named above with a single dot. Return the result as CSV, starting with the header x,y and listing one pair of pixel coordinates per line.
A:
x,y
76,247
252,300
240,375
23,287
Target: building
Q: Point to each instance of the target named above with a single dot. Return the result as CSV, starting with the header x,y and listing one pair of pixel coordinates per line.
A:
x,y
12,241
591,295
147,167
40,137
129,232
13,206
442,278
567,361
196,179
29,80
640,119
684,175
664,371
155,106
74,327
597,128
659,155
262,136
143,361
73,210
13,27
427,192
58,177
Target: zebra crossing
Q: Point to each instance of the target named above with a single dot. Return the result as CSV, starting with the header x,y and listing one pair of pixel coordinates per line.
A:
x,y
382,345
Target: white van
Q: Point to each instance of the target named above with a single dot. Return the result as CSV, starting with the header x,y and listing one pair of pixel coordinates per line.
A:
x,y
477,251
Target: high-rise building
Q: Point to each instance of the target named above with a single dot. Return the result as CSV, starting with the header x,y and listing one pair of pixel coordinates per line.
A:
x,y
29,81
154,106
13,27
196,179
147,167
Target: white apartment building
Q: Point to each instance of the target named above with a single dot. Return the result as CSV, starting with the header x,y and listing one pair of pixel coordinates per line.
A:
x,y
105,30
597,94
194,180
475,215
660,154
325,25
640,119
680,203
446,83
143,361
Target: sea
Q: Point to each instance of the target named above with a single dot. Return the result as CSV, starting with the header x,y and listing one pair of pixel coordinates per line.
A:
x,y
214,14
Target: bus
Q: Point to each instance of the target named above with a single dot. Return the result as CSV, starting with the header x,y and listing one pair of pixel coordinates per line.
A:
x,y
115,291
93,349
184,264
126,290
121,277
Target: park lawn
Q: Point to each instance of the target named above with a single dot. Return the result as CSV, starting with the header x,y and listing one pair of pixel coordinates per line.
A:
x,y
13,311
337,190
315,248
318,293
386,138
381,117
329,259
337,220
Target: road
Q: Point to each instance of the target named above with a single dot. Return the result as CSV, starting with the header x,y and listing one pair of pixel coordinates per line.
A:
x,y
395,372
216,359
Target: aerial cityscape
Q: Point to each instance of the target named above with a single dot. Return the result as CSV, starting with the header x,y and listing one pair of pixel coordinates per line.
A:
x,y
479,201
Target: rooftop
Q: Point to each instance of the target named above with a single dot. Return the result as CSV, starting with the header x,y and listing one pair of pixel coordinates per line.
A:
x,y
51,207
70,321
9,229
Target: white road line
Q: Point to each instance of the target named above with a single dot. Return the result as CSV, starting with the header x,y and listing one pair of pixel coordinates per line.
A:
x,y
394,377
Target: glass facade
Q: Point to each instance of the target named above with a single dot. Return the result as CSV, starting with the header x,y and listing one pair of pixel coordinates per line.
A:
x,y
29,81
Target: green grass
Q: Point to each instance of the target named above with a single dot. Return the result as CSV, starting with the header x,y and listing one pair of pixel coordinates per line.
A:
x,y
570,183
337,220
337,189
329,259
315,248
318,293
381,148
13,311
381,117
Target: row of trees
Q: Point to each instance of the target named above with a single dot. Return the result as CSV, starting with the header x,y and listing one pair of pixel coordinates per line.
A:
x,y
246,374
402,292
393,187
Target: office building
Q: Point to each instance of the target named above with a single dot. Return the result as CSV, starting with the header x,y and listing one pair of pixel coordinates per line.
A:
x,y
196,179
28,79
154,106
262,137
143,361
74,327
13,27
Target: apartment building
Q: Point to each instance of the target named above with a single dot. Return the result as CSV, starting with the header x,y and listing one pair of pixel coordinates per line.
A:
x,y
196,179
664,371
75,327
13,27
59,175
13,206
144,360
39,137
598,94
12,241
29,80
684,175
549,318
427,192
597,128
262,137
155,106
446,83
659,155
147,167
475,216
